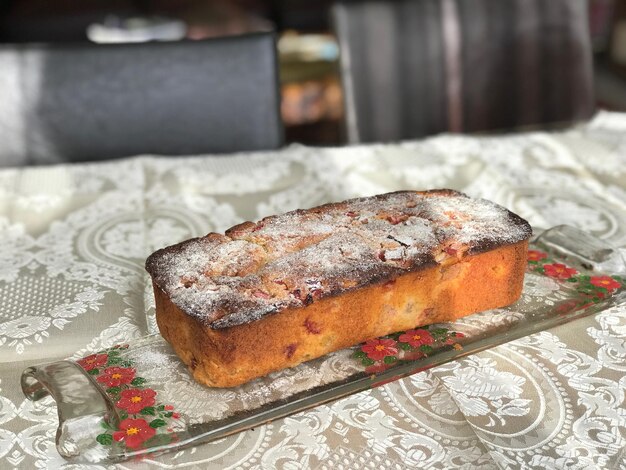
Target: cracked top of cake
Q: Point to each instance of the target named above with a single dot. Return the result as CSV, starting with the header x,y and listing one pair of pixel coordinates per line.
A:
x,y
296,258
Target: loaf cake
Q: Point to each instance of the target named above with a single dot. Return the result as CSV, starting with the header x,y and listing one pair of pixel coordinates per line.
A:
x,y
272,294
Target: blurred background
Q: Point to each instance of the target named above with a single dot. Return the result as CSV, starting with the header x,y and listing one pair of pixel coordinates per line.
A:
x,y
312,102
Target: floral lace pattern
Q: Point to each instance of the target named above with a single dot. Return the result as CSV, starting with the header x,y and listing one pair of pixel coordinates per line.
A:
x,y
73,240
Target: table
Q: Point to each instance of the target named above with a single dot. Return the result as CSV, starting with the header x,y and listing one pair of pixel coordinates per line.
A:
x,y
73,240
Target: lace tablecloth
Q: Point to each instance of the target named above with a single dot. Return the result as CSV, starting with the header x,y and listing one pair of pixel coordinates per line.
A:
x,y
73,240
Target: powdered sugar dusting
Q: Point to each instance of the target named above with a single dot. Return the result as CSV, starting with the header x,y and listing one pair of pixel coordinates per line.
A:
x,y
293,259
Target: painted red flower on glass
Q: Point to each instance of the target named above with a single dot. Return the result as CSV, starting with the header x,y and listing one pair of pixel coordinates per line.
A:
x,y
535,255
416,338
133,400
133,432
116,376
95,360
559,271
377,349
605,281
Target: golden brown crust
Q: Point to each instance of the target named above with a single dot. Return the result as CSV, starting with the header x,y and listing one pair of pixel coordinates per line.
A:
x,y
234,355
286,262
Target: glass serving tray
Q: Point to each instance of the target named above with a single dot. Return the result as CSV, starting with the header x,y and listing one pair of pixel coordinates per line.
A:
x,y
138,398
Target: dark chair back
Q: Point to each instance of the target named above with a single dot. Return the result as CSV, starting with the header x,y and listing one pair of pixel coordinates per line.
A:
x,y
91,102
412,68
